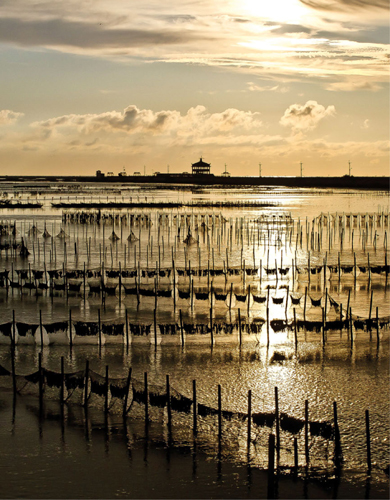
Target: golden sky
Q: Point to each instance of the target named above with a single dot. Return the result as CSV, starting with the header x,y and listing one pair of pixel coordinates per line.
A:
x,y
98,84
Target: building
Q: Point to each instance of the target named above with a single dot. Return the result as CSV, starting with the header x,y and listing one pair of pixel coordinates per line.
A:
x,y
201,168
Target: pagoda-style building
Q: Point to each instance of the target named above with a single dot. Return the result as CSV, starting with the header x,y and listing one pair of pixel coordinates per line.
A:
x,y
201,168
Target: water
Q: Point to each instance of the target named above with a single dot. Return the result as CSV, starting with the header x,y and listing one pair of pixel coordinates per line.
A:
x,y
354,375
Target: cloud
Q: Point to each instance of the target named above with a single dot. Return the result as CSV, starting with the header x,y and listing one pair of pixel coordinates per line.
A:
x,y
290,28
69,33
352,86
197,121
346,5
305,117
366,123
7,117
206,33
270,88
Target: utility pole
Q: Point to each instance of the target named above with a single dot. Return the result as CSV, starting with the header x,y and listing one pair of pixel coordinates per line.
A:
x,y
225,168
168,169
301,169
144,170
349,169
259,169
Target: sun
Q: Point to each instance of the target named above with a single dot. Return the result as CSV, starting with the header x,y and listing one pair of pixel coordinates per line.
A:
x,y
286,11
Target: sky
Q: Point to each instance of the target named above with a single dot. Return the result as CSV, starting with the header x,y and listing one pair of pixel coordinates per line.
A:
x,y
145,85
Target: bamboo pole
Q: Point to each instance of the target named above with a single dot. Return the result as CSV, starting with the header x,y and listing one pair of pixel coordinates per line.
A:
x,y
41,328
239,327
219,414
249,418
169,411
277,422
307,432
155,328
194,408
338,453
368,441
106,390
146,396
128,384
271,466
86,383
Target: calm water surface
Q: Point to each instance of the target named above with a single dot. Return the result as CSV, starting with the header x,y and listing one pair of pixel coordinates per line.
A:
x,y
47,458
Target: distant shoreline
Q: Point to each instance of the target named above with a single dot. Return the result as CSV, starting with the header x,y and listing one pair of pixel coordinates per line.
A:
x,y
345,182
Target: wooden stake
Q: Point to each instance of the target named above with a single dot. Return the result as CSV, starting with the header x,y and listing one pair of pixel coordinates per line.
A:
x,y
239,327
211,327
155,328
219,415
277,422
106,389
307,432
86,384
62,388
368,441
128,384
169,411
181,325
249,418
127,327
13,337
338,456
146,396
99,329
70,329
40,371
295,329
271,466
194,408
377,328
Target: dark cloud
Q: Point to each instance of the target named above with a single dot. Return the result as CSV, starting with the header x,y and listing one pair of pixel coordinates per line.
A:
x,y
92,143
378,34
291,28
84,35
344,5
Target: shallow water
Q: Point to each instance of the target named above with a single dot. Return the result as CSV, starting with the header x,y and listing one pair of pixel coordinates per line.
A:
x,y
353,374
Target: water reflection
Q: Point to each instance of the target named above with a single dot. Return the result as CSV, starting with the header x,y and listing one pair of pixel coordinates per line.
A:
x,y
258,262
132,461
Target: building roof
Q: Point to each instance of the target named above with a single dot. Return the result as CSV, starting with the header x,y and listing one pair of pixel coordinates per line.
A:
x,y
200,163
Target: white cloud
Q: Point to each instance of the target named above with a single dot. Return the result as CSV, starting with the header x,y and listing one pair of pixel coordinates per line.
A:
x,y
352,85
214,33
7,117
268,88
305,117
196,122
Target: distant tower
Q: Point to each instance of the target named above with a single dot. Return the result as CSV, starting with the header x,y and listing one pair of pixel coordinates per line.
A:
x,y
349,168
168,169
301,169
259,169
226,173
201,168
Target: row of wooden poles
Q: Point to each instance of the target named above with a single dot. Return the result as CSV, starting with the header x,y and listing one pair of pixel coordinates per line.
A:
x,y
349,323
311,236
274,441
187,268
